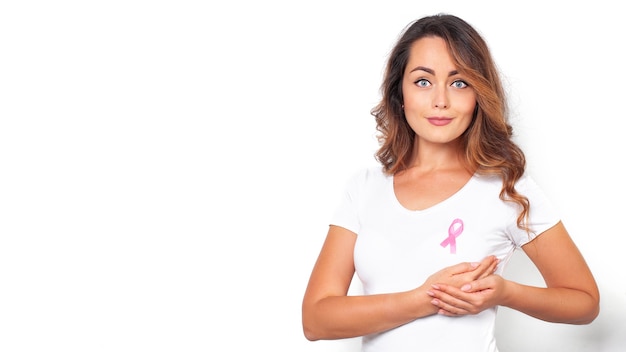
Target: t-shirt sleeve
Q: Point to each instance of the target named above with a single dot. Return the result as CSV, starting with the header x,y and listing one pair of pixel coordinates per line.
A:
x,y
346,214
542,215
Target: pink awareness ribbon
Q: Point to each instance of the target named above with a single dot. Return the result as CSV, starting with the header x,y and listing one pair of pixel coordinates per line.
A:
x,y
453,233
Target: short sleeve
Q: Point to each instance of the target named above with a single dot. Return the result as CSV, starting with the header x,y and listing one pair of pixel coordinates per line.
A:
x,y
542,215
346,214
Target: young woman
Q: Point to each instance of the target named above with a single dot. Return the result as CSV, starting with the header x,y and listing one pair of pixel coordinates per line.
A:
x,y
430,230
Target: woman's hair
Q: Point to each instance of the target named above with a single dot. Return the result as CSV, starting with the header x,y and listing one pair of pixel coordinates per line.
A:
x,y
487,142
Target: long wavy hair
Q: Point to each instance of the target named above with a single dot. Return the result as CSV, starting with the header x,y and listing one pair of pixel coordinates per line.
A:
x,y
487,142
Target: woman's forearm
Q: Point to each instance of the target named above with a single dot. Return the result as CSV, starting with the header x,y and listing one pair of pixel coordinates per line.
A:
x,y
557,305
350,316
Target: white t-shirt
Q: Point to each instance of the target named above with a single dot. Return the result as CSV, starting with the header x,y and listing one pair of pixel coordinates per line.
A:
x,y
397,249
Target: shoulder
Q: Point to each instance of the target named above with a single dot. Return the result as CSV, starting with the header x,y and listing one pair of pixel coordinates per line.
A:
x,y
526,182
369,174
528,186
493,182
366,179
525,185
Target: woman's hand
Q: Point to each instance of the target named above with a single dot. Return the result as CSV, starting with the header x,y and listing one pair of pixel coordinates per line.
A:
x,y
471,298
463,273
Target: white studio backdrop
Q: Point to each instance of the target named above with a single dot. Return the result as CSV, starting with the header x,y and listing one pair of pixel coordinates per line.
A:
x,y
168,168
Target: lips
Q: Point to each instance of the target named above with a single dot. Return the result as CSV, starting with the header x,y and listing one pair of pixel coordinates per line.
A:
x,y
439,121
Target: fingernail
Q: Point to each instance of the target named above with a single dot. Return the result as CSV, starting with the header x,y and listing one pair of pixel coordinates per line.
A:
x,y
436,287
435,302
474,265
466,287
430,293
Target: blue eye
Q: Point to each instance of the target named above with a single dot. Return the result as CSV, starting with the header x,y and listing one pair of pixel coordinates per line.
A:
x,y
459,84
422,82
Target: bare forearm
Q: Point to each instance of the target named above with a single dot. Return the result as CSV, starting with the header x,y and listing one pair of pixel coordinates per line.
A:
x,y
557,305
351,316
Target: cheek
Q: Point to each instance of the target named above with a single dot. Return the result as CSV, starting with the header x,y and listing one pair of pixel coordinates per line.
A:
x,y
415,101
467,105
411,96
468,115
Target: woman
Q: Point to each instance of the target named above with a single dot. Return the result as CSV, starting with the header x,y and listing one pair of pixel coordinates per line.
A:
x,y
429,232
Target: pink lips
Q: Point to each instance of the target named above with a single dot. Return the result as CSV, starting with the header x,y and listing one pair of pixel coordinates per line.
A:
x,y
439,121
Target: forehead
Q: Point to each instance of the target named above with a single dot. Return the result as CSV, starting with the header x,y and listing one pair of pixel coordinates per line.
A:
x,y
430,52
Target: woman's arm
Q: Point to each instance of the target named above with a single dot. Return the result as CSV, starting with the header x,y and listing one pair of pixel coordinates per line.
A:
x,y
329,313
571,294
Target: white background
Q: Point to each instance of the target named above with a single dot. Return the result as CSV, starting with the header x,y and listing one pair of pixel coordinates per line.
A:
x,y
168,168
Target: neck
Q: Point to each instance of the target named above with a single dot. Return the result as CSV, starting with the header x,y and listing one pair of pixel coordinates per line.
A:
x,y
432,157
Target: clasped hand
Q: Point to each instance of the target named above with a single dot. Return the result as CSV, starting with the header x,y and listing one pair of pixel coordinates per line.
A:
x,y
466,288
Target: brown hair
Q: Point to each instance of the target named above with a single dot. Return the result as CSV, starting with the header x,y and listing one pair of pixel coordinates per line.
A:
x,y
487,142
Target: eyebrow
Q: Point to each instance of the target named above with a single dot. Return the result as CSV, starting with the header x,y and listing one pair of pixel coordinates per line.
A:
x,y
431,71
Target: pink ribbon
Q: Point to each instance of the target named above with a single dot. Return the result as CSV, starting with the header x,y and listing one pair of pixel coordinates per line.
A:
x,y
453,233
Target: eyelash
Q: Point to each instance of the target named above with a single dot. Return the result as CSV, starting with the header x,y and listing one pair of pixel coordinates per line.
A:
x,y
457,81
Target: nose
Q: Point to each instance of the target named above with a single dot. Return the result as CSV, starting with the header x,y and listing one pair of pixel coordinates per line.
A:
x,y
440,98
